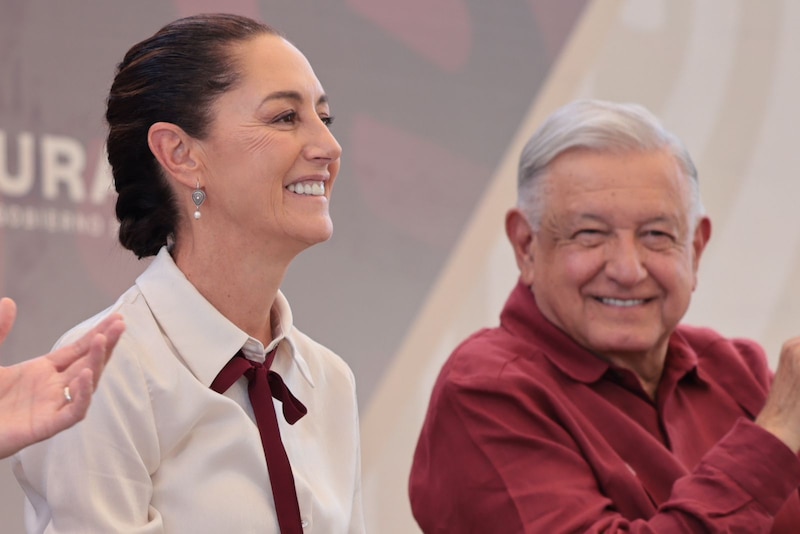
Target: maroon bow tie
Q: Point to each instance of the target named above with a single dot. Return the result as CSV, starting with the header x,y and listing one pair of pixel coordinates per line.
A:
x,y
263,384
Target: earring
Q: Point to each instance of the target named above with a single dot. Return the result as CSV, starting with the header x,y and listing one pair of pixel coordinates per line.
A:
x,y
198,197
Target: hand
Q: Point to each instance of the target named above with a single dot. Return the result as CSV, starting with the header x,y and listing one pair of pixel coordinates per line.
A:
x,y
781,413
33,405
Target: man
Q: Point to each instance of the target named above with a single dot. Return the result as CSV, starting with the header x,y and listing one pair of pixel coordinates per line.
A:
x,y
42,396
589,409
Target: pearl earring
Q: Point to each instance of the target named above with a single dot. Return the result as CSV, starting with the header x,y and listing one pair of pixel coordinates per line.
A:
x,y
198,197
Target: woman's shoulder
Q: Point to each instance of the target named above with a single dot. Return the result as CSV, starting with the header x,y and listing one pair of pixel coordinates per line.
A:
x,y
318,357
121,306
139,347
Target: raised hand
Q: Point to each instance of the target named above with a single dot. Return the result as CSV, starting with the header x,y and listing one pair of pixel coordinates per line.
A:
x,y
35,394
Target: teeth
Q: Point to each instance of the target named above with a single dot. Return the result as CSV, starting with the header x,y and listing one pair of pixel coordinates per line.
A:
x,y
622,303
315,189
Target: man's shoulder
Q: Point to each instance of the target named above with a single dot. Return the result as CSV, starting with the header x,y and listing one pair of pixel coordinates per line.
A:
x,y
493,355
708,343
726,358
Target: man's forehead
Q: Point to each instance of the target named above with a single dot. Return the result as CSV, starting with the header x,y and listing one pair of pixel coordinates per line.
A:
x,y
642,217
589,170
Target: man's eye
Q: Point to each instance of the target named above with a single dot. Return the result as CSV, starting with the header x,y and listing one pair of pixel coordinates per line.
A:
x,y
658,234
589,236
658,239
588,232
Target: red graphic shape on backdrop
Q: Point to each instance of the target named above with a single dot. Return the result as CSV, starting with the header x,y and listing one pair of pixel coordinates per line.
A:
x,y
3,275
556,24
247,8
410,182
440,32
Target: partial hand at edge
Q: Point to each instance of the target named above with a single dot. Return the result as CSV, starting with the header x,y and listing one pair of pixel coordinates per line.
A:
x,y
781,413
32,402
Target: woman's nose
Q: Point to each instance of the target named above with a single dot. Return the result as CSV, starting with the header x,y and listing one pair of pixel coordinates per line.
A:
x,y
322,143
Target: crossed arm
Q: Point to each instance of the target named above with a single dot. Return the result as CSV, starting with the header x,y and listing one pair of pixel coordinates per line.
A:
x,y
33,404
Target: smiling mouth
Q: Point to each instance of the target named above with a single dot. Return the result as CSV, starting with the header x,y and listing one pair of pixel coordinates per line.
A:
x,y
621,303
314,189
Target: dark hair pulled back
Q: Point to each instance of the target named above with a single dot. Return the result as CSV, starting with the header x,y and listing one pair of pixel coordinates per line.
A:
x,y
173,76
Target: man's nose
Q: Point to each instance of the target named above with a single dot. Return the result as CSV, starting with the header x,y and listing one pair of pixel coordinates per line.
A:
x,y
624,260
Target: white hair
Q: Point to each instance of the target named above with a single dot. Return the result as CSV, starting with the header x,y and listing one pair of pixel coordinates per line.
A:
x,y
598,126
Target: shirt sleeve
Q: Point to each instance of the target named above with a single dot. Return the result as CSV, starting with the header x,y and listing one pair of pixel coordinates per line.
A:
x,y
96,476
486,462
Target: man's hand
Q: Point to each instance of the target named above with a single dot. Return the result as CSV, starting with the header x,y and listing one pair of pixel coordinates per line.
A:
x,y
781,413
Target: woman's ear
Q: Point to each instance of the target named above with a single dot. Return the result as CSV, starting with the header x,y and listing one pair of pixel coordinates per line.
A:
x,y
174,150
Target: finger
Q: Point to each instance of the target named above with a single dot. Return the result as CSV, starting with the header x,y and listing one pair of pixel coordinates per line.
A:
x,y
8,313
112,334
103,326
68,354
96,360
80,389
92,359
100,350
110,339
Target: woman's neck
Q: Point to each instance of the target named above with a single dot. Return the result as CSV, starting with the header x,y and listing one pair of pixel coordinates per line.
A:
x,y
241,286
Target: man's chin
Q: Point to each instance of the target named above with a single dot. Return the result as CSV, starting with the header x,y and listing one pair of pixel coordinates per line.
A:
x,y
627,349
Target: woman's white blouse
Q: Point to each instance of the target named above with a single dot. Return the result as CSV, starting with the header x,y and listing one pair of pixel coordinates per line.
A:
x,y
159,451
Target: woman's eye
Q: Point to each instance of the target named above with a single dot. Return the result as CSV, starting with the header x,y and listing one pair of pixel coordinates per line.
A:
x,y
287,118
327,120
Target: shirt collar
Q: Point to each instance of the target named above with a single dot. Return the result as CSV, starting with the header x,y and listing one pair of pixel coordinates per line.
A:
x,y
523,318
682,358
202,337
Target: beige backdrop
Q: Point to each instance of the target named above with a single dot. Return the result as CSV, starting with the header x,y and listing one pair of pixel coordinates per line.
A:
x,y
445,93
724,76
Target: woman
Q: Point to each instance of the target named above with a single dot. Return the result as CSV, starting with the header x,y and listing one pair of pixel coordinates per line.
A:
x,y
224,164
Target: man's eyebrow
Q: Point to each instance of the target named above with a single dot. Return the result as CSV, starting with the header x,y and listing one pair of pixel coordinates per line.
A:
x,y
584,217
588,216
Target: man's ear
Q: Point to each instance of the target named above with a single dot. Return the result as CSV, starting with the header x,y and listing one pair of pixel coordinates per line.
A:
x,y
521,236
174,150
701,236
